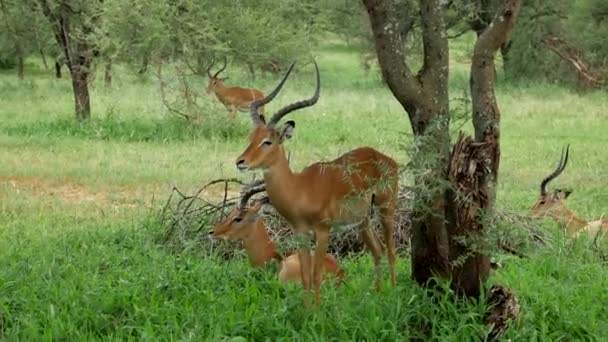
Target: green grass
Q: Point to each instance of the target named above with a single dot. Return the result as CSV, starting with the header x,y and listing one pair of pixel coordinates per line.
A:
x,y
79,257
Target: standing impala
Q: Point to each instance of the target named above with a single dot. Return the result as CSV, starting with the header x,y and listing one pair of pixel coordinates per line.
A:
x,y
234,98
324,194
553,204
244,224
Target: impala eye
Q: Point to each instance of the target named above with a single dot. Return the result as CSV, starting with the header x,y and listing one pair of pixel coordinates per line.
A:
x,y
237,219
267,142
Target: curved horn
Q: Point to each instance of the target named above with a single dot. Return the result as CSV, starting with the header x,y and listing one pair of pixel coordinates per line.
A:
x,y
560,167
246,195
297,105
222,68
253,107
209,68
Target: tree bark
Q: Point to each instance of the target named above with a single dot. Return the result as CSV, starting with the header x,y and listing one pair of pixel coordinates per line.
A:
x,y
44,62
107,75
57,69
20,67
80,87
474,164
77,54
446,217
425,99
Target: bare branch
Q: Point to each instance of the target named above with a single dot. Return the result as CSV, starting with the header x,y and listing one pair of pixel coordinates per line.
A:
x,y
389,36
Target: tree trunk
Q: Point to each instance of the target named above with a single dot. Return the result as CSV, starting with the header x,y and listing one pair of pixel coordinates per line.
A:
x,y
453,191
80,86
20,67
504,52
44,62
107,76
57,70
144,65
425,98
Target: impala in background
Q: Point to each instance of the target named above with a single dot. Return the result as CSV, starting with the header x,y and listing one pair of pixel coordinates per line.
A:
x,y
233,98
553,204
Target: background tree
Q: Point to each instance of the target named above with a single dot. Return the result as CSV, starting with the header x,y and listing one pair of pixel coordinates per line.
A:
x,y
73,23
456,192
21,33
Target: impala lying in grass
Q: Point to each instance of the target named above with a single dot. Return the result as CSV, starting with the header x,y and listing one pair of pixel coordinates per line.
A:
x,y
245,224
553,204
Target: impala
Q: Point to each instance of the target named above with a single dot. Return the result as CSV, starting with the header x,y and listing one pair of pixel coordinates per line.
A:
x,y
325,194
244,224
553,204
234,98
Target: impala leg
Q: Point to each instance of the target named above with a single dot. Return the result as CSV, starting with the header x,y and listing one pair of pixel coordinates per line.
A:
x,y
305,265
322,236
387,218
370,241
232,112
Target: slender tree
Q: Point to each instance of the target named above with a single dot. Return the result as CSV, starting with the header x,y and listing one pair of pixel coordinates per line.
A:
x,y
72,23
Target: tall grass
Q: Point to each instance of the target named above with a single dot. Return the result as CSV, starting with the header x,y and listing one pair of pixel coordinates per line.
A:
x,y
79,258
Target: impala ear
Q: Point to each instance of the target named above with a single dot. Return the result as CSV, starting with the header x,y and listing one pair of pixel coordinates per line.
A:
x,y
562,193
287,131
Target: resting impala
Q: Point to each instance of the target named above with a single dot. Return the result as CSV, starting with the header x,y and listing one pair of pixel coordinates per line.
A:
x,y
324,194
553,204
244,224
234,98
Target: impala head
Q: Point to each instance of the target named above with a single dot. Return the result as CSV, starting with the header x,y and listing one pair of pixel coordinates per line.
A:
x,y
240,221
551,203
265,140
214,80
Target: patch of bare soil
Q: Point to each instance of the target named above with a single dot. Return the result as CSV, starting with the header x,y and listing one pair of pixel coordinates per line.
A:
x,y
74,192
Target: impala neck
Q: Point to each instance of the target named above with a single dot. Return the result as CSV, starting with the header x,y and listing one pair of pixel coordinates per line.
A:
x,y
280,182
569,220
259,246
219,90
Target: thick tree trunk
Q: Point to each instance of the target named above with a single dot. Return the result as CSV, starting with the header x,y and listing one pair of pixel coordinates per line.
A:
x,y
453,192
80,86
20,67
425,99
107,75
57,69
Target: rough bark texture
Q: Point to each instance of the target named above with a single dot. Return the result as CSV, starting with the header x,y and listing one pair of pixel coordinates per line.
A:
x,y
107,75
80,77
455,216
504,307
425,99
76,51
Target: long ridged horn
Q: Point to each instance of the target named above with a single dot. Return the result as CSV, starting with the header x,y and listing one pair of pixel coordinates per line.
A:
x,y
246,195
297,105
209,68
222,68
560,168
253,108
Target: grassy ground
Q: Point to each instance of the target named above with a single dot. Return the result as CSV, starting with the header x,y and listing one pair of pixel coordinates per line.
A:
x,y
78,257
